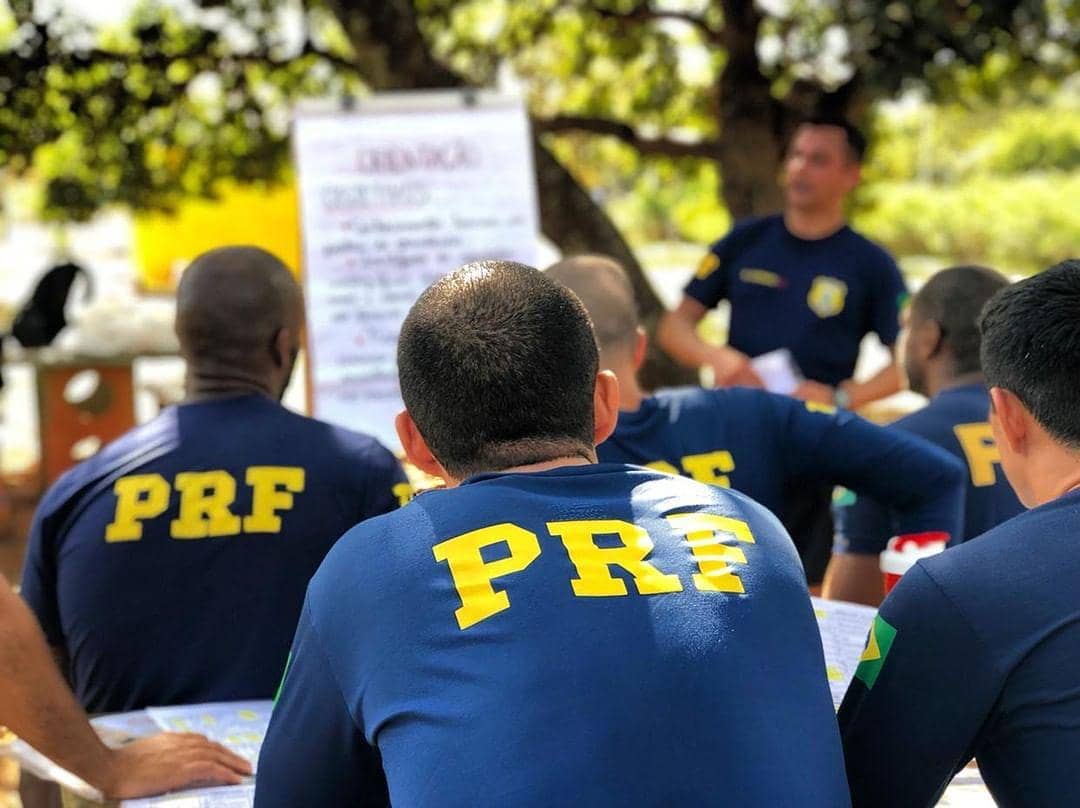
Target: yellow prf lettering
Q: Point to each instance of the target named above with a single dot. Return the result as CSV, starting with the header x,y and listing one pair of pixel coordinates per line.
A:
x,y
205,497
473,576
403,492
272,489
662,466
593,563
714,557
977,441
138,497
711,468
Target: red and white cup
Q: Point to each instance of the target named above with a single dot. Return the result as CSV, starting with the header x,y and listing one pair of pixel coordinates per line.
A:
x,y
902,552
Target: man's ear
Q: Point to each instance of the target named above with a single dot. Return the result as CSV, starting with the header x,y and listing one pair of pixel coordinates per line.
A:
x,y
282,345
416,449
605,406
1010,418
927,339
641,347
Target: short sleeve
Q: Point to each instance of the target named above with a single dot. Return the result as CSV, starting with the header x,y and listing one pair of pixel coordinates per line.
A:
x,y
385,482
709,285
887,299
39,577
863,525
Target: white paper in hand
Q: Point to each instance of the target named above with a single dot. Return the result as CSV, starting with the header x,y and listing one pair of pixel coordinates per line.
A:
x,y
778,371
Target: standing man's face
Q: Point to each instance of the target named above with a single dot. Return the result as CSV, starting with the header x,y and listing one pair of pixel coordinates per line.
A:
x,y
819,169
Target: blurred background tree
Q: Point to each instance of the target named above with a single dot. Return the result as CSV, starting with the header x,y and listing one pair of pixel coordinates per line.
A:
x,y
655,119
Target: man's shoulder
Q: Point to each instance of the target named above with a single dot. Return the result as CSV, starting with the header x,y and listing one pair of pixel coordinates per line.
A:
x,y
336,442
871,253
747,231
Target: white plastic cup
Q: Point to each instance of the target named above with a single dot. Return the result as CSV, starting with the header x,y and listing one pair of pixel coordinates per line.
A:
x,y
902,552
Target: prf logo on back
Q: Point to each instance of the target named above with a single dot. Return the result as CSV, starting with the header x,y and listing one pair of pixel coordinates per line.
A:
x,y
712,539
206,498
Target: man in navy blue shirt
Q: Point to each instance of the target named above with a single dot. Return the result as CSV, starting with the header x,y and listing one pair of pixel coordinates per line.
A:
x,y
547,630
756,442
975,652
170,568
940,353
803,281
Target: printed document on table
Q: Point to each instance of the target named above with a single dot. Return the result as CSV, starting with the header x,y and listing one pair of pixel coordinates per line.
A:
x,y
222,797
238,725
844,628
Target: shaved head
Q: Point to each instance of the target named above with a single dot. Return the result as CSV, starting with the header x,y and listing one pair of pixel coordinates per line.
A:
x,y
233,305
607,294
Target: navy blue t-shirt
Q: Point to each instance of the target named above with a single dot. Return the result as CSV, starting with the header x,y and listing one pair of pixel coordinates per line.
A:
x,y
170,568
955,419
765,444
589,635
975,654
816,298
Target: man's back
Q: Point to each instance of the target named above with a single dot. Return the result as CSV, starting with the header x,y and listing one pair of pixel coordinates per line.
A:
x,y
171,567
983,641
486,643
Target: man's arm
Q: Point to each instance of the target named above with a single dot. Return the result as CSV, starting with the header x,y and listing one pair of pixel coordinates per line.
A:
x,y
314,753
38,707
921,483
882,384
677,334
923,689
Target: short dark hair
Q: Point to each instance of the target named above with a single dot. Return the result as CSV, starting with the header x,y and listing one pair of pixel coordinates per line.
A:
x,y
1031,347
856,140
953,298
498,367
605,290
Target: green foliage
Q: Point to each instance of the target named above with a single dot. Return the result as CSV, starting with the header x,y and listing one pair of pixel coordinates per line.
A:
x,y
1018,224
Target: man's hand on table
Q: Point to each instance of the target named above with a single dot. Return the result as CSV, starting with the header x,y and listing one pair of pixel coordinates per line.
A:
x,y
167,762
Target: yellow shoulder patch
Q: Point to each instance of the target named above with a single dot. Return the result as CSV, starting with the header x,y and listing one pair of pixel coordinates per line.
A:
x,y
709,264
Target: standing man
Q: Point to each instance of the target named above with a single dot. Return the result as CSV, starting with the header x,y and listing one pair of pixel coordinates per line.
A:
x,y
975,652
547,630
940,353
170,568
37,706
805,281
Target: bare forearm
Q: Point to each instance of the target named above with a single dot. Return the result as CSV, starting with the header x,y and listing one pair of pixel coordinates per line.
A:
x,y
854,577
678,336
35,702
883,383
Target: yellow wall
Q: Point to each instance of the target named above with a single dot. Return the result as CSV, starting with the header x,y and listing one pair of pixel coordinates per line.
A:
x,y
263,217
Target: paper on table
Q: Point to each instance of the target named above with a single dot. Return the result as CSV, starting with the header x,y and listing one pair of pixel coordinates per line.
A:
x,y
778,371
221,797
843,627
239,725
119,728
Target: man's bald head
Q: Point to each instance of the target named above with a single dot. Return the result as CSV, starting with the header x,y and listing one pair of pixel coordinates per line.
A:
x,y
608,296
232,306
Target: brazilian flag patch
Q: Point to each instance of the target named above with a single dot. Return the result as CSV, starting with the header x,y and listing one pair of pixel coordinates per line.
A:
x,y
877,649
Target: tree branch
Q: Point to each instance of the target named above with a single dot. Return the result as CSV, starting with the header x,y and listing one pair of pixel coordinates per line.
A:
x,y
647,13
665,146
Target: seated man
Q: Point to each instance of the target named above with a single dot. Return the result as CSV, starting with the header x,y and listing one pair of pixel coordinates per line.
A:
x,y
940,355
753,441
170,568
547,631
975,651
37,706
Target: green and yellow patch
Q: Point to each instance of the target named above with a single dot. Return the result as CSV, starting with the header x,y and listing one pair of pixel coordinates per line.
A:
x,y
878,644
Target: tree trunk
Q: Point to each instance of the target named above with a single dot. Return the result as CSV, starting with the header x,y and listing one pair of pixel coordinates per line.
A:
x,y
392,54
751,120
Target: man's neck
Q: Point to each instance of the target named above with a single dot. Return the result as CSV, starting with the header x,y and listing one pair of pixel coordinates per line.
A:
x,y
939,382
630,394
544,465
204,384
815,224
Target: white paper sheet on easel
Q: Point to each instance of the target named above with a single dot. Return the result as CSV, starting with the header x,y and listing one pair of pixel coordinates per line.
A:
x,y
778,371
